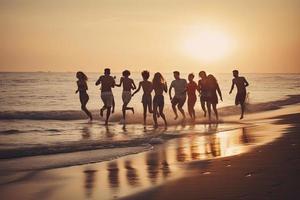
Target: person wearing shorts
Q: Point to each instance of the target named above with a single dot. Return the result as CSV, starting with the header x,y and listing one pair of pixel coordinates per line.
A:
x,y
107,83
191,93
159,87
179,98
128,85
147,89
241,83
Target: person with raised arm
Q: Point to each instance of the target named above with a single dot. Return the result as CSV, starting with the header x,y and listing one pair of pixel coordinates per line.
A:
x,y
128,85
147,89
107,83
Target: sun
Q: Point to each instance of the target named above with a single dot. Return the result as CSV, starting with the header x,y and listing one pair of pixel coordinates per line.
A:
x,y
207,45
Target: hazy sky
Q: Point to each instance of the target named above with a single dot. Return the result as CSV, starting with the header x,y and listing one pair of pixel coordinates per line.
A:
x,y
188,35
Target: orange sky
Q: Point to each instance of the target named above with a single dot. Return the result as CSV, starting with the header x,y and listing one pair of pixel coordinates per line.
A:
x,y
187,35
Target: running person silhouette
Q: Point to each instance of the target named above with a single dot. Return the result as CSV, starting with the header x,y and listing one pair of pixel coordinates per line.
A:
x,y
83,95
128,85
179,98
107,83
147,89
241,84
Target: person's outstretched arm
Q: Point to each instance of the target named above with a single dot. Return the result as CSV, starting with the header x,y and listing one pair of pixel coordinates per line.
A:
x,y
137,90
246,82
170,90
232,86
86,86
77,88
98,81
121,81
198,87
219,92
133,84
166,87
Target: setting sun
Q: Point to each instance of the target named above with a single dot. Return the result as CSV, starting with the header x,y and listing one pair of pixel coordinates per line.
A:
x,y
207,45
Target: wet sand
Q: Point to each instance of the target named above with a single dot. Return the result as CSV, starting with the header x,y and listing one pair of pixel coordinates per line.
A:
x,y
256,161
270,171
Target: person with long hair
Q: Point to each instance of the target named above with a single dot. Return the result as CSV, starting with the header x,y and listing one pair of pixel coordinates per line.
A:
x,y
191,93
212,97
202,89
159,87
83,95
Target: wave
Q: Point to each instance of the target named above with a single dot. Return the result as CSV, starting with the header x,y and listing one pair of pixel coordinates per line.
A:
x,y
16,131
18,152
79,115
152,137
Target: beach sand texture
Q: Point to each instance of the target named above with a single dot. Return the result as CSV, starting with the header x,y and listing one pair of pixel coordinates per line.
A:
x,y
256,160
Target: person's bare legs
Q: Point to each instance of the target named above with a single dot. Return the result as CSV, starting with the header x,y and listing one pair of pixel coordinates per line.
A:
x,y
102,110
87,112
181,110
190,111
83,102
124,111
150,107
107,115
243,110
203,107
155,115
209,110
161,112
145,112
174,110
215,110
113,106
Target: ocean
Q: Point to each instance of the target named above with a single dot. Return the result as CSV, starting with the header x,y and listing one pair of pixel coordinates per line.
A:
x,y
40,113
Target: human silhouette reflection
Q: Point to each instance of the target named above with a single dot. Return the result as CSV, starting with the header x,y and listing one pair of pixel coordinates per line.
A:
x,y
245,138
86,132
181,154
113,174
89,182
211,128
194,148
108,133
131,173
152,161
166,171
215,146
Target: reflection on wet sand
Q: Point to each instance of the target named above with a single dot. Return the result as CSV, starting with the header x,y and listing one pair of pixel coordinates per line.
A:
x,y
89,182
137,172
86,132
132,175
113,174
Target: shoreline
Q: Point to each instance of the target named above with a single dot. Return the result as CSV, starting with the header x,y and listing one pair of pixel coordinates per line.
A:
x,y
145,175
269,171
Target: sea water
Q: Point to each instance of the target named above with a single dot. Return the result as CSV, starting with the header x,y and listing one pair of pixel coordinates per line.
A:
x,y
40,112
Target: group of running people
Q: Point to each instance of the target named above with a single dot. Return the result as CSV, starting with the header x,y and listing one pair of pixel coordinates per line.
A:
x,y
207,87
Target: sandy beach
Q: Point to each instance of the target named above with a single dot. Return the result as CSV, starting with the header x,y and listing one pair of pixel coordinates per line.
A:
x,y
258,159
270,171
